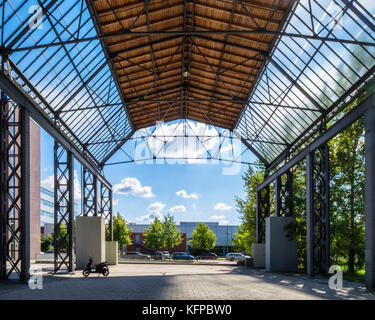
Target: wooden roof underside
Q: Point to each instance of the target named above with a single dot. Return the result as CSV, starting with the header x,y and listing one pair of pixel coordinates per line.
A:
x,y
222,67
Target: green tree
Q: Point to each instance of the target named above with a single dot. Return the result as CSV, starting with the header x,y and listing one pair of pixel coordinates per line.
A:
x,y
62,238
121,232
247,210
46,243
203,238
155,235
347,173
172,236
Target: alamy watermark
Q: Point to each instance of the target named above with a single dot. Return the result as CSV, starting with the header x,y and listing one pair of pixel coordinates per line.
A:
x,y
36,278
335,281
36,20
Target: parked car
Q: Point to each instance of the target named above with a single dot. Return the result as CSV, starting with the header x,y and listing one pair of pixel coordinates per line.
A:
x,y
136,255
182,256
207,256
166,254
158,255
236,257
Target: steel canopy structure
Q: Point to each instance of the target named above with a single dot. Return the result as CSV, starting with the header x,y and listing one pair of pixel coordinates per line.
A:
x,y
102,70
96,74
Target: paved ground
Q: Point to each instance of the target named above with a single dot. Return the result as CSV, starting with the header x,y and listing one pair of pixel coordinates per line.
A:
x,y
200,282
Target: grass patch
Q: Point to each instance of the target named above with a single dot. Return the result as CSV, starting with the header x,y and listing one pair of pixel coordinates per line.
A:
x,y
359,276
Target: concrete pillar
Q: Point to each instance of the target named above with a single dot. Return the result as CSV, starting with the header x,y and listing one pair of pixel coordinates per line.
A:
x,y
111,252
370,197
90,240
281,244
258,252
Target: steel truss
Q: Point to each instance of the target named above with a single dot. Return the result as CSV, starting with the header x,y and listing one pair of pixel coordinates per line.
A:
x,y
317,204
14,190
262,212
186,140
63,208
284,195
105,209
89,193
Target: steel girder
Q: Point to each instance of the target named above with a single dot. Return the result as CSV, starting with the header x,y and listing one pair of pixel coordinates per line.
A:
x,y
90,193
105,209
63,208
14,190
317,205
284,195
262,212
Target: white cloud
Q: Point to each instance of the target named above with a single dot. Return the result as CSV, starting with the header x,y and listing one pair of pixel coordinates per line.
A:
x,y
115,202
155,207
49,182
179,208
154,210
133,186
148,218
222,207
177,143
183,194
220,219
194,206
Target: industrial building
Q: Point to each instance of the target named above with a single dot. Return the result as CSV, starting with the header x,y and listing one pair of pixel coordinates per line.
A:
x,y
224,236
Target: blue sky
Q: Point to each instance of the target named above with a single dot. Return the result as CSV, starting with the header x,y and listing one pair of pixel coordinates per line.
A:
x,y
190,192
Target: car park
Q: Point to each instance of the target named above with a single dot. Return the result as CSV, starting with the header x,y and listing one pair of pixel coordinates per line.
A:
x,y
182,256
236,257
136,255
207,256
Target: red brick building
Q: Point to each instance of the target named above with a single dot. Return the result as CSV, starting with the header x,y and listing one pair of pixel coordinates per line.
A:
x,y
138,240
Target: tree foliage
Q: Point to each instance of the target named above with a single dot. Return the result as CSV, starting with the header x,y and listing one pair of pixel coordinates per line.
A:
x,y
154,236
46,243
203,238
347,176
247,210
172,236
121,232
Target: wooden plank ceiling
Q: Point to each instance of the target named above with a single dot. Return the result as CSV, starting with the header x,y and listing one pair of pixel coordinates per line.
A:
x,y
199,76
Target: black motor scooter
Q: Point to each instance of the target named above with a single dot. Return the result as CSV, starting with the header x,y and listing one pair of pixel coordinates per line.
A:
x,y
100,268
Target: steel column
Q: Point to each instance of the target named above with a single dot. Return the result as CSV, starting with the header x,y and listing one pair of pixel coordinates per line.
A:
x,y
262,211
317,208
284,194
63,208
14,190
89,193
370,197
25,193
278,196
106,208
3,184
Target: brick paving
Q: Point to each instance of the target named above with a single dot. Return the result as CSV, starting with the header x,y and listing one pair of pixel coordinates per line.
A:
x,y
175,282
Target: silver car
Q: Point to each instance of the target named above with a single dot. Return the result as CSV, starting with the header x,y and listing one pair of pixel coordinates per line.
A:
x,y
136,255
236,257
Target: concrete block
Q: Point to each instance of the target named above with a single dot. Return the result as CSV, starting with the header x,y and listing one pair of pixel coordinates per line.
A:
x,y
281,244
111,252
258,254
90,240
